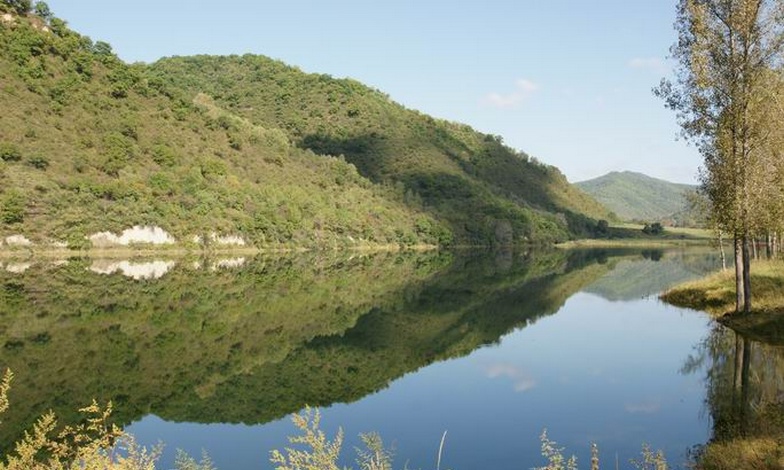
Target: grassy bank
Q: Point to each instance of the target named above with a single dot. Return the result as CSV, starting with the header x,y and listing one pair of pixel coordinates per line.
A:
x,y
716,295
632,236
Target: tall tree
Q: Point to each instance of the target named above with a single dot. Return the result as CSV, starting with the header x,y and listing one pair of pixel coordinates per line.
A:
x,y
726,52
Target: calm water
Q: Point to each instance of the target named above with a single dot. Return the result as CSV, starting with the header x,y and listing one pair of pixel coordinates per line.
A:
x,y
490,348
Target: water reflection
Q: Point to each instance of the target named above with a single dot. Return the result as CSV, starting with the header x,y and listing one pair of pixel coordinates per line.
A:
x,y
251,340
745,385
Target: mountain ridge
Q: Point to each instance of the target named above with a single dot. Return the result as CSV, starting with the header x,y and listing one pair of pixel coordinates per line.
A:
x,y
634,196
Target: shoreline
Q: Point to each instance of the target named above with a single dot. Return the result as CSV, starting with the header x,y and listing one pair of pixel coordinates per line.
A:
x,y
31,252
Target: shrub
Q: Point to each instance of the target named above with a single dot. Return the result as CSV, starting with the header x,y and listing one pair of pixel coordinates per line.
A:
x,y
10,152
653,229
38,162
12,207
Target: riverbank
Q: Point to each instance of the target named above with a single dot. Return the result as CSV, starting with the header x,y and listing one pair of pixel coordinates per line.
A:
x,y
715,295
633,236
180,251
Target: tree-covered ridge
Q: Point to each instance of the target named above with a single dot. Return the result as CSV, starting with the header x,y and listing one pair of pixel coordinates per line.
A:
x,y
638,197
88,143
486,191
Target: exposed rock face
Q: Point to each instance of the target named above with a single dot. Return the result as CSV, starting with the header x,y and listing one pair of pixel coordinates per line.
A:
x,y
17,240
18,268
135,234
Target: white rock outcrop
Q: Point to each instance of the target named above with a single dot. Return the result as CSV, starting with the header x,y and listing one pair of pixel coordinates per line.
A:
x,y
135,234
17,268
17,240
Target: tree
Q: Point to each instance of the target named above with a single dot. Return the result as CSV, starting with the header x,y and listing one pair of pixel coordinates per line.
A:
x,y
20,7
726,52
42,10
655,228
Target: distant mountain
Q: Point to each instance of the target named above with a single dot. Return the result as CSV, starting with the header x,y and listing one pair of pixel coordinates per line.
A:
x,y
635,196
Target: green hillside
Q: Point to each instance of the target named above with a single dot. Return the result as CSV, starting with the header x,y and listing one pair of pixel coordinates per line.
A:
x,y
486,191
251,147
638,197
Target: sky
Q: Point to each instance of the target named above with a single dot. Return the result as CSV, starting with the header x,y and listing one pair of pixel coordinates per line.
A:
x,y
566,81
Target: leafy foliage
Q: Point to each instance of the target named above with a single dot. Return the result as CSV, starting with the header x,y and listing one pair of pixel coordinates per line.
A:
x,y
320,453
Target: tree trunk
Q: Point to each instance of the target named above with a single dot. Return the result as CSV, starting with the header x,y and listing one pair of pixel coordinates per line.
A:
x,y
721,250
746,275
744,388
769,245
738,274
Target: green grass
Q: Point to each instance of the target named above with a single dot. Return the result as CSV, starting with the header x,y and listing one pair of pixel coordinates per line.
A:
x,y
716,295
630,235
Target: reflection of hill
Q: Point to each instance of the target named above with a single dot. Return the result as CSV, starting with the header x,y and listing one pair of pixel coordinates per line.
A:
x,y
257,343
72,335
651,273
472,304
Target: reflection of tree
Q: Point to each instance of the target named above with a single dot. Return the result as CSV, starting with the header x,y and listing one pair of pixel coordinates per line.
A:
x,y
745,386
258,342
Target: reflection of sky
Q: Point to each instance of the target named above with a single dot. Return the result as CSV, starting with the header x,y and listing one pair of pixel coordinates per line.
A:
x,y
597,371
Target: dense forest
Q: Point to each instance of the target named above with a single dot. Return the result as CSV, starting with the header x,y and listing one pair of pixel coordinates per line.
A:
x,y
247,146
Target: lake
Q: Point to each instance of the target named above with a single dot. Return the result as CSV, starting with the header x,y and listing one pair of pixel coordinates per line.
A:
x,y
490,348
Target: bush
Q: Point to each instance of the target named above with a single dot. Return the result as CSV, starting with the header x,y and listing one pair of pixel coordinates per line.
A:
x,y
653,229
12,207
38,162
10,152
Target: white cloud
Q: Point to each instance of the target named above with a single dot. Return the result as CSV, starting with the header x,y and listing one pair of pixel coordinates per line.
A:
x,y
521,381
524,88
654,64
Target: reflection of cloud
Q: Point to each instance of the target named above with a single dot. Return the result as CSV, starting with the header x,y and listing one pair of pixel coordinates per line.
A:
x,y
523,89
648,407
522,381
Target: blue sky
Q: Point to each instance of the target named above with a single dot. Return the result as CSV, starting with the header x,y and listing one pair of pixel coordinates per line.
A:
x,y
568,82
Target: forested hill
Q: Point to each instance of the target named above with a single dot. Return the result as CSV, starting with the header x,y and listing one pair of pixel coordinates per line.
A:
x,y
483,189
247,146
635,196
